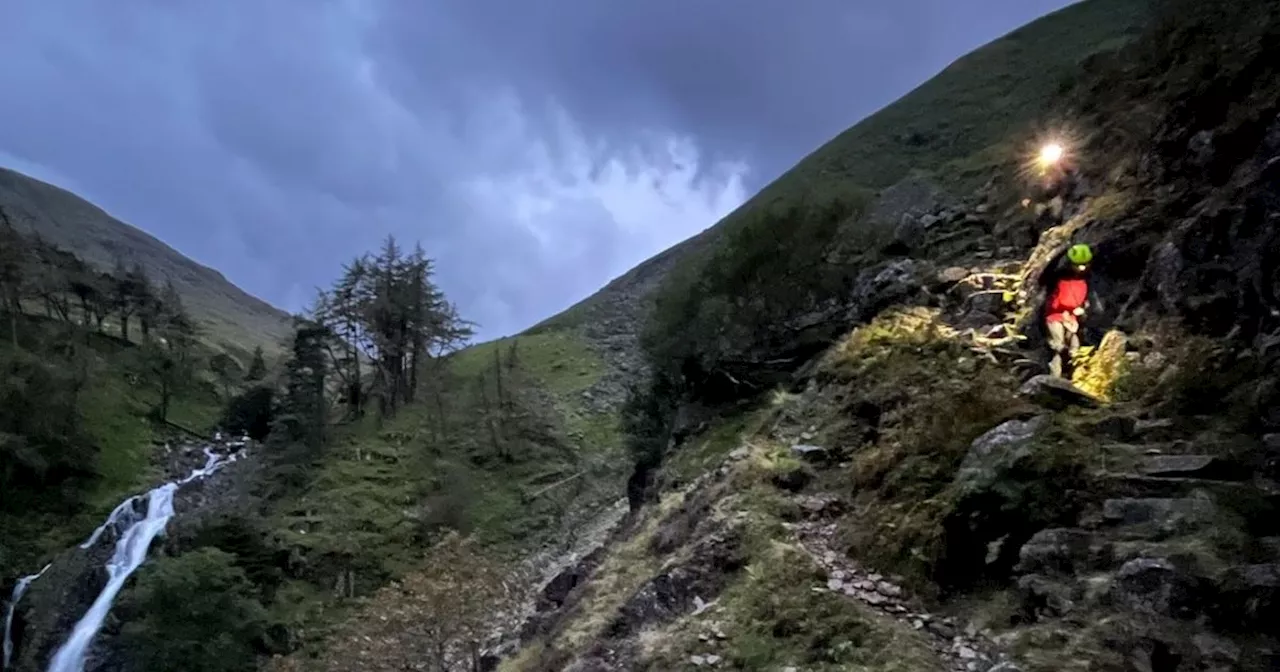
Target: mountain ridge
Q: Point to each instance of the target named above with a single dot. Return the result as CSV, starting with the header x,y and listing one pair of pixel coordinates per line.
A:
x,y
233,316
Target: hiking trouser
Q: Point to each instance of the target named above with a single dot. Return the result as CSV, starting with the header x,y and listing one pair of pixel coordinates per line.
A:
x,y
1064,341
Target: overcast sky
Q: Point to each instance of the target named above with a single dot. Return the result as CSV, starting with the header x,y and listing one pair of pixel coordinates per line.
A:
x,y
537,149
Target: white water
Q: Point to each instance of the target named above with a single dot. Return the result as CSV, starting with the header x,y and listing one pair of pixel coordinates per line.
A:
x,y
18,590
131,550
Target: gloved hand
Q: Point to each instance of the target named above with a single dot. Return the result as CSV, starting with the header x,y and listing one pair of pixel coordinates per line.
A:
x,y
1078,312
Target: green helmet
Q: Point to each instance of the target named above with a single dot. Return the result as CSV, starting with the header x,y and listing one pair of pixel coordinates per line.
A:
x,y
1080,254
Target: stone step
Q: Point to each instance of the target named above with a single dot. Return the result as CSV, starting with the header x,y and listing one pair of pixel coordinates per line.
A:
x,y
1193,466
1141,486
1160,515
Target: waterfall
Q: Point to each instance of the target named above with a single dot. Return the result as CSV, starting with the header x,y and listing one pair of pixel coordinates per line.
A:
x,y
18,590
134,532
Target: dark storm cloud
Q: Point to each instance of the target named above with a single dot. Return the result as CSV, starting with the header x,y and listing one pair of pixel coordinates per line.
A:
x,y
537,149
765,78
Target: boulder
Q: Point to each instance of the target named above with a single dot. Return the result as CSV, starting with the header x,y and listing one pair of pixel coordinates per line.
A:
x,y
909,233
997,451
1056,393
886,285
1041,596
1156,586
1059,550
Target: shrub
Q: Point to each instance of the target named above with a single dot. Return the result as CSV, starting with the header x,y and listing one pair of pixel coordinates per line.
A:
x,y
195,612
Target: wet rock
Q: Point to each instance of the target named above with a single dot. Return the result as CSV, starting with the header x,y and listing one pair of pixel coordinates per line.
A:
x,y
1165,516
1056,393
1156,586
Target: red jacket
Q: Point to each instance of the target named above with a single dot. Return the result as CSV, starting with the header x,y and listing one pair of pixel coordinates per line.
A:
x,y
1068,294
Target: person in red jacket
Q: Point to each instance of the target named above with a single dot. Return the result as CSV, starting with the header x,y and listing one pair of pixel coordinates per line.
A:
x,y
1068,300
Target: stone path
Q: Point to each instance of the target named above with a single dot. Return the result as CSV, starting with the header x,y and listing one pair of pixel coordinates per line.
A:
x,y
962,651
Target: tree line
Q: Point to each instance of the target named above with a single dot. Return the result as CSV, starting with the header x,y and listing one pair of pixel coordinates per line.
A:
x,y
59,312
366,344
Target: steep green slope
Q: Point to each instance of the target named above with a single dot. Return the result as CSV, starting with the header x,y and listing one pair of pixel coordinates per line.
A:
x,y
978,112
915,487
229,315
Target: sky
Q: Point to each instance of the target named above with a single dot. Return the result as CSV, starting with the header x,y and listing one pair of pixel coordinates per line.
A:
x,y
535,149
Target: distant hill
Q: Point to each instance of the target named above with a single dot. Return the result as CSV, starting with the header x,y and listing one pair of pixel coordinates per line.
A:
x,y
230,316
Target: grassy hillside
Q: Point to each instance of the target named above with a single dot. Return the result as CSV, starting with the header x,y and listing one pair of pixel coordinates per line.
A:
x,y
228,314
113,408
519,478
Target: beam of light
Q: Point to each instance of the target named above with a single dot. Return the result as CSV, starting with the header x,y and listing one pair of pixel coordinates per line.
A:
x,y
1051,154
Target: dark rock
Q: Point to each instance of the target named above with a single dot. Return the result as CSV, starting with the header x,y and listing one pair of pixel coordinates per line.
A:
x,y
1041,596
1141,487
941,629
977,320
950,276
1161,429
1164,516
1058,550
711,565
986,301
810,453
1250,594
997,451
1215,653
1200,149
909,233
1192,466
881,287
1056,393
1156,586
1116,427
821,506
794,479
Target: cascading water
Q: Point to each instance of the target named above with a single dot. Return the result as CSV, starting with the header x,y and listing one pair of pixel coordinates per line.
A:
x,y
18,590
135,531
